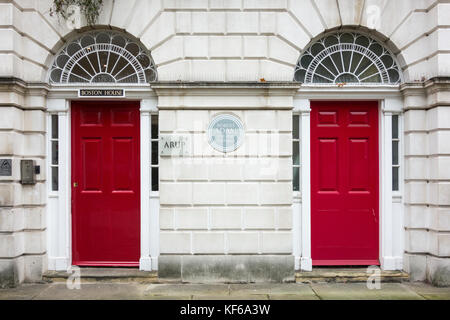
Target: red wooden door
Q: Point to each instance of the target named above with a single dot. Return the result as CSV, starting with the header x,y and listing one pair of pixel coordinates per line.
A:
x,y
105,184
344,183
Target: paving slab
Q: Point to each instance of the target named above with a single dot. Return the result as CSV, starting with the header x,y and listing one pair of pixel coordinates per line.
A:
x,y
359,291
187,290
302,291
150,297
23,292
94,291
292,297
429,292
133,290
234,297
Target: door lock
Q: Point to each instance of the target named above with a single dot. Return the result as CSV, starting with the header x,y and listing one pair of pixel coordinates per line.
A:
x,y
75,184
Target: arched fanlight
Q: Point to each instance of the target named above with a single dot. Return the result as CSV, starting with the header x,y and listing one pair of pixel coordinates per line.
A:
x,y
347,57
103,57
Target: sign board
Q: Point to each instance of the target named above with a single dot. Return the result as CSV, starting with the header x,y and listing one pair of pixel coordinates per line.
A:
x,y
226,133
101,93
175,145
5,167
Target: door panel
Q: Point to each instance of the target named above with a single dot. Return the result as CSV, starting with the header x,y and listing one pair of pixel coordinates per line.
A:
x,y
105,183
328,160
92,164
344,183
359,170
122,150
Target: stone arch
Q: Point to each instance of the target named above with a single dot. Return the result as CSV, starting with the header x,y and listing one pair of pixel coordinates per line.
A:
x,y
100,55
377,59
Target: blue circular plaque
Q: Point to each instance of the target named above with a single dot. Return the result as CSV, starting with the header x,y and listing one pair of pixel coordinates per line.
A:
x,y
226,133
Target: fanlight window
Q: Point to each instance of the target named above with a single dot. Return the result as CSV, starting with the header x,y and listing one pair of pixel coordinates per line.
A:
x,y
103,57
347,58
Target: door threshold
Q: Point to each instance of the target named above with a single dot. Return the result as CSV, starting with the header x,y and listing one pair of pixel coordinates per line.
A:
x,y
347,274
102,274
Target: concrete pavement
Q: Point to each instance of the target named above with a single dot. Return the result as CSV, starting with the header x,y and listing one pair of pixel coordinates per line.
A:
x,y
288,291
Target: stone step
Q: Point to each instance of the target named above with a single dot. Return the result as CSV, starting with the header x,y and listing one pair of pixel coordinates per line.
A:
x,y
88,274
342,275
333,275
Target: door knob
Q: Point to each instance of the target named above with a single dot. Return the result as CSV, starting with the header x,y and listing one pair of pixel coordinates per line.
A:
x,y
75,184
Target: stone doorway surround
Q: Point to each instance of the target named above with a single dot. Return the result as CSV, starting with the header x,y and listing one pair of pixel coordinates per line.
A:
x,y
59,212
391,215
278,96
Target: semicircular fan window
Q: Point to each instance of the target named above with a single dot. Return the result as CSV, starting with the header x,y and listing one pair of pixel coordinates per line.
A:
x,y
103,57
347,58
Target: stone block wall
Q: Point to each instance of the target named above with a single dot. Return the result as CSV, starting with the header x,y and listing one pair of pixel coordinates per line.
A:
x,y
233,206
233,40
228,40
427,182
22,207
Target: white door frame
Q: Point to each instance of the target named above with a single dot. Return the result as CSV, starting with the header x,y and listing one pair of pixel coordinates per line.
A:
x,y
59,226
391,239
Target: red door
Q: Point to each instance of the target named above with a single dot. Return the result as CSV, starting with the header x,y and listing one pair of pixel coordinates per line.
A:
x,y
344,183
105,184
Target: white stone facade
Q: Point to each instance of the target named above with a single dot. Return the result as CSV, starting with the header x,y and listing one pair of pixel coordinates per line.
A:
x,y
238,204
426,182
238,57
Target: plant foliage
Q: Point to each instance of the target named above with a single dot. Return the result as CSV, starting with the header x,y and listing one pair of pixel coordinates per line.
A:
x,y
89,8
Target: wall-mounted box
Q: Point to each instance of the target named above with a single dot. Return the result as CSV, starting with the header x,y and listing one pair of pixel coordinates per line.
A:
x,y
27,172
